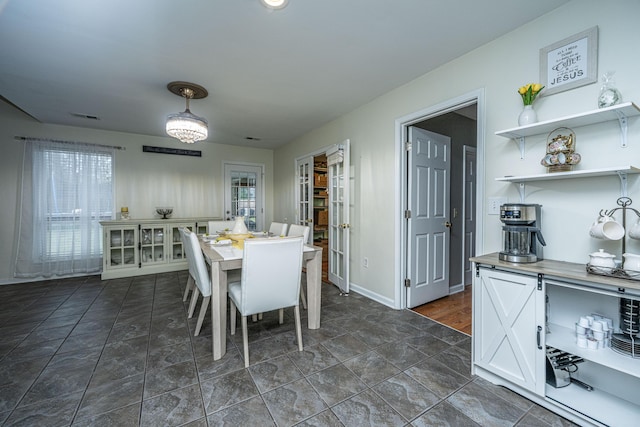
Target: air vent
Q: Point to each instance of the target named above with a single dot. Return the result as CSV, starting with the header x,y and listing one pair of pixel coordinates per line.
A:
x,y
252,138
85,116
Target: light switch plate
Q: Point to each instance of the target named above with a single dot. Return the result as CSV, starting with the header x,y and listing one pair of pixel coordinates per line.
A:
x,y
495,203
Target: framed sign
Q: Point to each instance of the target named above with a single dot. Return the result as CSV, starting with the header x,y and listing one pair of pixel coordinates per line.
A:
x,y
570,63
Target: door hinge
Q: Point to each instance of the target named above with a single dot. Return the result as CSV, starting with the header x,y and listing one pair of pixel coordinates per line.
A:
x,y
407,214
407,283
407,146
477,270
540,277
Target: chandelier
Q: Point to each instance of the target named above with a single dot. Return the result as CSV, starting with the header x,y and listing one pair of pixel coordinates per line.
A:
x,y
185,126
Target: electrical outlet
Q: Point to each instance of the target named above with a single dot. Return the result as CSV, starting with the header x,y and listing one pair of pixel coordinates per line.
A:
x,y
365,262
494,204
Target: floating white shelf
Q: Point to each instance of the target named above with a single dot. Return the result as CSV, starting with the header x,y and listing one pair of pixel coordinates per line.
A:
x,y
572,174
618,112
627,109
620,171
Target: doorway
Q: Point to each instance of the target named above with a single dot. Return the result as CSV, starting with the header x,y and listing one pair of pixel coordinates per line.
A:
x,y
322,203
460,120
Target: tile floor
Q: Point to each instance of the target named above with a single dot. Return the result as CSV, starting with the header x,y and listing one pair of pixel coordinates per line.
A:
x,y
86,352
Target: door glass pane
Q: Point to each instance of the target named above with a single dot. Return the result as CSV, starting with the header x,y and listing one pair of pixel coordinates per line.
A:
x,y
243,196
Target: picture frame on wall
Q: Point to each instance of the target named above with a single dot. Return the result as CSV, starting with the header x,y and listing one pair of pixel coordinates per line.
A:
x,y
570,63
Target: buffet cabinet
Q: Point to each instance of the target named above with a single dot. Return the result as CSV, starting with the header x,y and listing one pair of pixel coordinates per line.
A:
x,y
138,247
520,313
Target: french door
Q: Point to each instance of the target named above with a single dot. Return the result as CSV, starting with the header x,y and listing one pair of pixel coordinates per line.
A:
x,y
243,194
338,189
304,192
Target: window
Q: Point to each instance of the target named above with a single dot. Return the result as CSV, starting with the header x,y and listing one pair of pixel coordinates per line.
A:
x,y
67,189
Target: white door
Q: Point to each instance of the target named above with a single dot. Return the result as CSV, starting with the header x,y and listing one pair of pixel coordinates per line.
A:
x,y
469,214
304,191
243,194
428,240
338,188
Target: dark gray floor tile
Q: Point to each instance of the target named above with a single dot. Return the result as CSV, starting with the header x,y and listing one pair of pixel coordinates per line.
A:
x,y
293,402
323,419
170,378
484,407
57,411
162,357
221,392
84,342
11,394
444,415
65,374
400,354
530,421
367,409
174,408
505,393
428,344
35,349
313,359
457,359
407,396
447,334
209,368
345,346
436,377
252,412
371,368
105,397
336,384
274,373
129,416
548,417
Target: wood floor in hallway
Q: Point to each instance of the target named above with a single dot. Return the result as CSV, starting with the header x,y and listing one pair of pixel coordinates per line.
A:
x,y
453,310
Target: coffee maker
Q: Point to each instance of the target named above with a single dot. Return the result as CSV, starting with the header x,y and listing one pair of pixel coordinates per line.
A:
x,y
522,239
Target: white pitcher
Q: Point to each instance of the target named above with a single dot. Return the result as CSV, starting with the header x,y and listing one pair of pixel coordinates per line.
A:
x,y
239,227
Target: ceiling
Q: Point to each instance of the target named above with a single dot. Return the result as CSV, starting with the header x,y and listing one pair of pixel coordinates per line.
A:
x,y
271,75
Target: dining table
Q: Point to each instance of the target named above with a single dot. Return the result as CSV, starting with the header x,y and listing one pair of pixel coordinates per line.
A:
x,y
226,257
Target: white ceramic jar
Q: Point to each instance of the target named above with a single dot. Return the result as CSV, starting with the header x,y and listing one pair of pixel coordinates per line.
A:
x,y
602,260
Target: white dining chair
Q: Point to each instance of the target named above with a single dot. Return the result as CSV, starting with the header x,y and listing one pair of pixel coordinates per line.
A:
x,y
278,228
301,230
190,282
198,271
215,226
271,271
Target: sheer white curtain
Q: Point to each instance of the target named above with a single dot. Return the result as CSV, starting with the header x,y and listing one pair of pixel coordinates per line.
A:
x,y
66,189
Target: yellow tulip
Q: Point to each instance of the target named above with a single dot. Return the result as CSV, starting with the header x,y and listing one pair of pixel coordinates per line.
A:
x,y
537,87
522,90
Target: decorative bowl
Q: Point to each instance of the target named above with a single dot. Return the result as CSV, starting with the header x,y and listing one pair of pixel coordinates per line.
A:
x,y
164,212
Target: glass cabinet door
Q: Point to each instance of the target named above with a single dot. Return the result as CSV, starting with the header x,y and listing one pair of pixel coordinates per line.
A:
x,y
152,240
177,249
122,247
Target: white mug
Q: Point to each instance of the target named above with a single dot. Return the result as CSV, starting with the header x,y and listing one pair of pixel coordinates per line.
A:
x,y
634,231
606,228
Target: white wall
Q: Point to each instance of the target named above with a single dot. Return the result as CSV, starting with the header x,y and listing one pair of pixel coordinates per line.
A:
x,y
192,185
499,68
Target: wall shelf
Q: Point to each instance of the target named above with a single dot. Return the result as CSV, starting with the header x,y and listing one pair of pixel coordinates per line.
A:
x,y
618,112
620,171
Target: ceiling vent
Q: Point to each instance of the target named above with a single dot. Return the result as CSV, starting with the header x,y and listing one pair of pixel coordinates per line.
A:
x,y
85,116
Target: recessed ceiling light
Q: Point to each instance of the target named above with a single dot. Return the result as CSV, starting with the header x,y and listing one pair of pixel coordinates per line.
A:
x,y
275,4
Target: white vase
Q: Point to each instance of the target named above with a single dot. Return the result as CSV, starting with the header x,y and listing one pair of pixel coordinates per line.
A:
x,y
239,227
528,116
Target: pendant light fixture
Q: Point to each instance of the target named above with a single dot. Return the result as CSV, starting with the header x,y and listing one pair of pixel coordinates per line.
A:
x,y
275,4
185,126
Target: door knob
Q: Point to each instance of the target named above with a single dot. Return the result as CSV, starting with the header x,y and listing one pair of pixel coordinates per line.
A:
x,y
447,224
